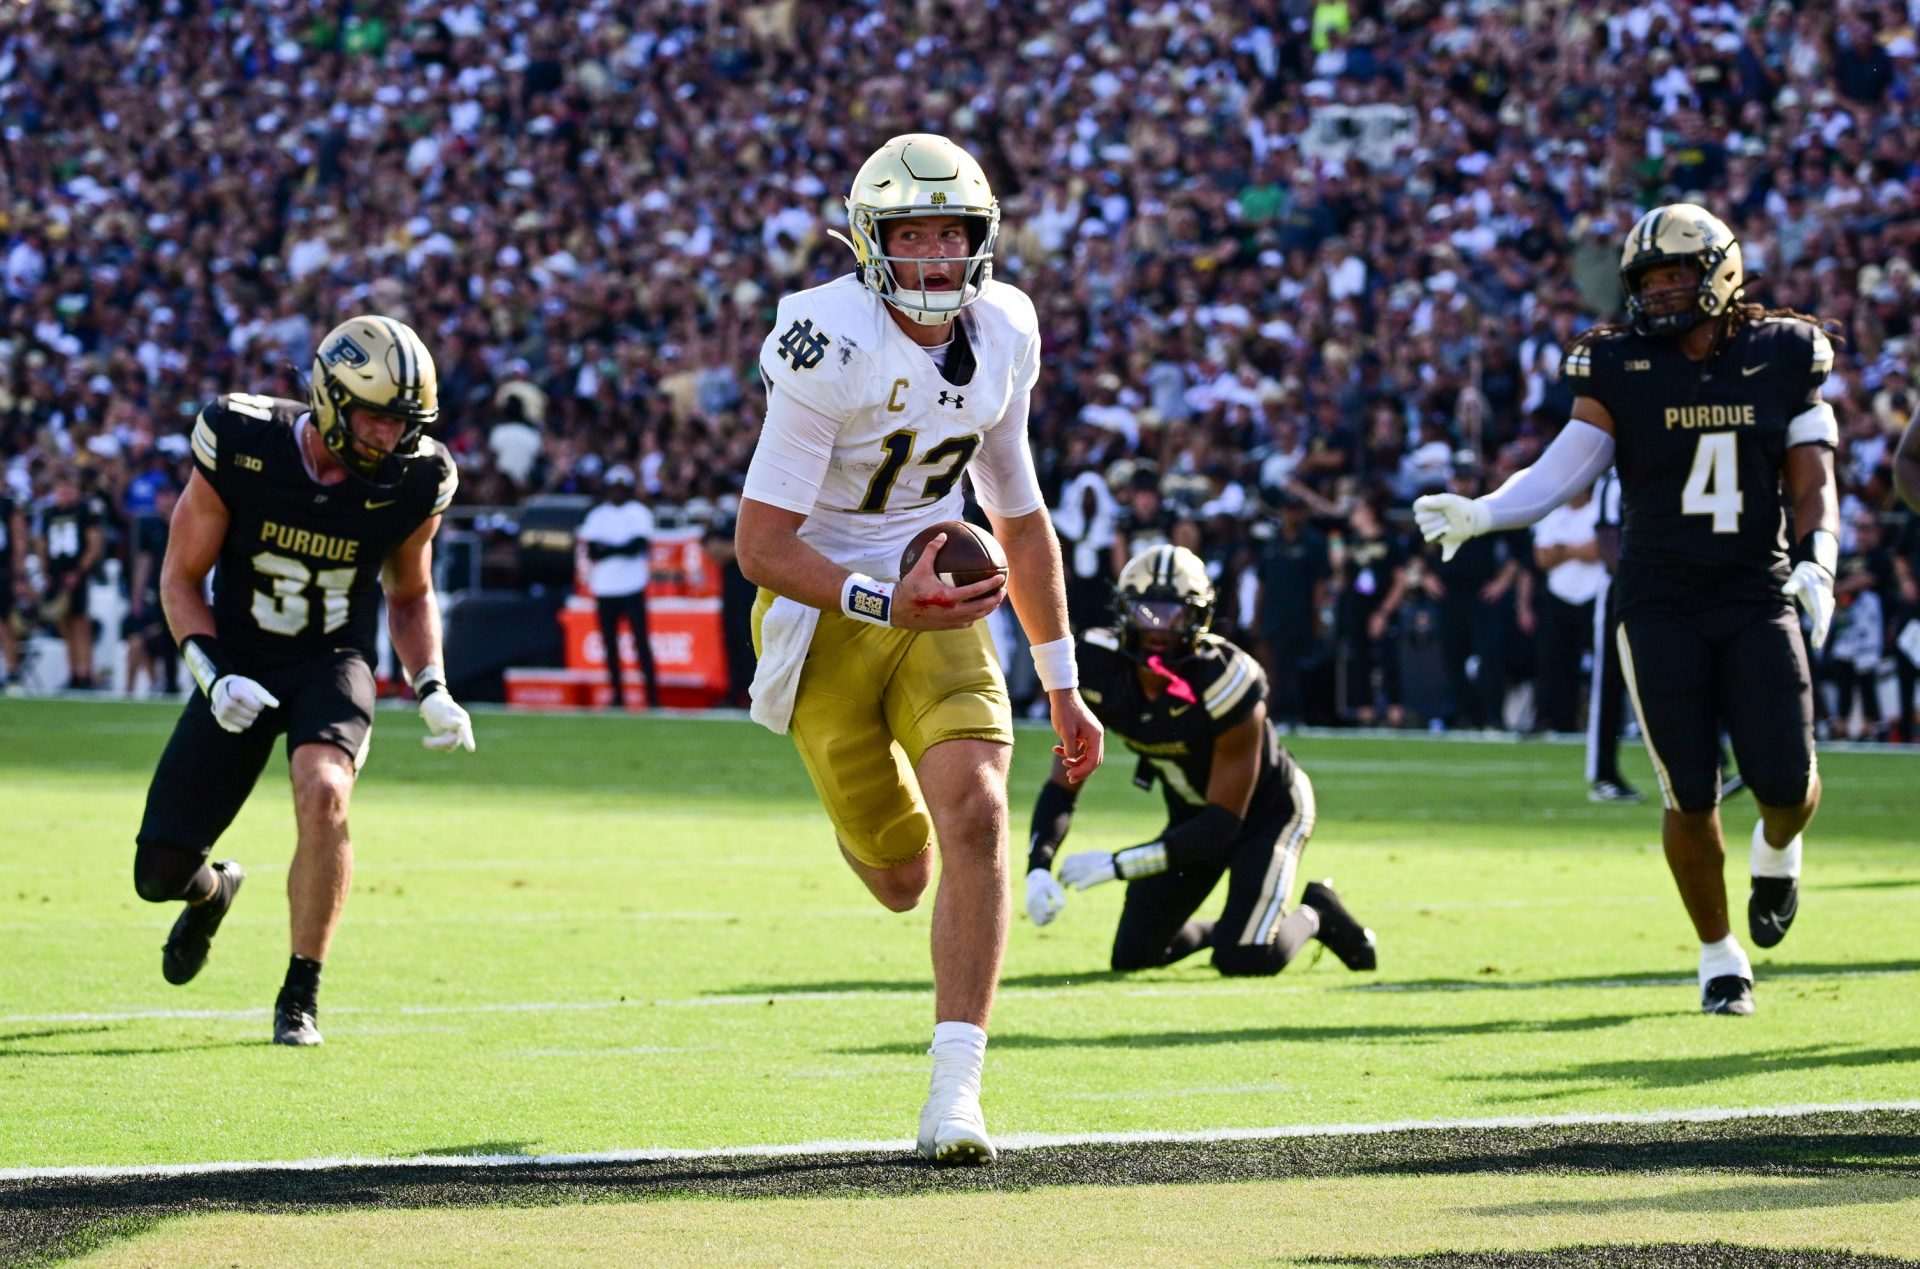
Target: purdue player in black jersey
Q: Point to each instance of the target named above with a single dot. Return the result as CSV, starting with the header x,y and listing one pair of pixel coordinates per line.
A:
x,y
71,542
13,578
1711,409
308,510
1193,707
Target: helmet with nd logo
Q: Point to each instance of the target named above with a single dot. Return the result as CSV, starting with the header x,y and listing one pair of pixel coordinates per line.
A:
x,y
921,174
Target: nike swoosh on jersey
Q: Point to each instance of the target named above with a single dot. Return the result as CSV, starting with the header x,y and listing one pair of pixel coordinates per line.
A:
x,y
1747,372
375,506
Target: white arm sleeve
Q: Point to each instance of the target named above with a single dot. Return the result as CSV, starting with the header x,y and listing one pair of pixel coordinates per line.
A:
x,y
1572,463
790,462
1003,477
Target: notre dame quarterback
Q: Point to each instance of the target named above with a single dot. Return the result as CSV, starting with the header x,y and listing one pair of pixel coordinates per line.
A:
x,y
1193,707
1712,409
304,513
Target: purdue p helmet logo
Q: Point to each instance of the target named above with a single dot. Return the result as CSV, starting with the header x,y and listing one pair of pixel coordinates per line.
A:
x,y
343,351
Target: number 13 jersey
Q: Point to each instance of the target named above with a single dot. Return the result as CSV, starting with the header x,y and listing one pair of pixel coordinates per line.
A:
x,y
1700,447
299,569
890,434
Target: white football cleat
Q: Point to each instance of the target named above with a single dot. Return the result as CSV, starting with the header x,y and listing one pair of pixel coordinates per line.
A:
x,y
952,1129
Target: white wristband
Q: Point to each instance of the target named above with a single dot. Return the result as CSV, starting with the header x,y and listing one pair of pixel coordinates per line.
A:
x,y
864,599
1054,663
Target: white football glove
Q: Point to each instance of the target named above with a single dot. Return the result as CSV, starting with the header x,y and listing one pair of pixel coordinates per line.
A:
x,y
451,726
1812,586
1088,869
1045,898
238,700
1450,520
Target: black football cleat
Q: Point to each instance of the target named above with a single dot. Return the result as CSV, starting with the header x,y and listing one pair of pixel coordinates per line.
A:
x,y
296,1022
1729,993
192,935
1613,791
1351,941
1771,906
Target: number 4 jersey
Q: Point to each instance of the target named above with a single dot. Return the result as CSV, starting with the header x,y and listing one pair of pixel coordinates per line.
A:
x,y
299,571
1700,447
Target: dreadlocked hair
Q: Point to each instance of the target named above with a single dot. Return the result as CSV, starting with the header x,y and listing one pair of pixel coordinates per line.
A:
x,y
1736,317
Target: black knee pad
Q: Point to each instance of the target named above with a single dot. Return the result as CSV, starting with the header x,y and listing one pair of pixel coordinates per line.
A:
x,y
1258,960
1128,957
163,874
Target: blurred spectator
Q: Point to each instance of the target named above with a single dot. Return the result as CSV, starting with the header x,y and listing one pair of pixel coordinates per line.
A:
x,y
151,651
737,596
1292,565
70,539
1369,569
1484,592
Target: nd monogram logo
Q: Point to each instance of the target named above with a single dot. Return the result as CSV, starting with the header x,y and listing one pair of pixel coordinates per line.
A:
x,y
801,347
953,399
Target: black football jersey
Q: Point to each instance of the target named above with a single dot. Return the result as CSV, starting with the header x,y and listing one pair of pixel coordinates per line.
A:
x,y
64,530
7,505
1172,735
1700,447
299,570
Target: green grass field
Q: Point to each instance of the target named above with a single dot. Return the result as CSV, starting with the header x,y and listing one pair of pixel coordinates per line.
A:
x,y
606,934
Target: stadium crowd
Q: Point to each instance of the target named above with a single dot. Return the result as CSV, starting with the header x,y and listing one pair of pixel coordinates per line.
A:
x,y
1296,263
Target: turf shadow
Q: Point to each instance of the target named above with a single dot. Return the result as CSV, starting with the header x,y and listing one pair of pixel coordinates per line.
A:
x,y
1628,1256
1767,966
1737,1198
1003,1040
1646,1071
46,1219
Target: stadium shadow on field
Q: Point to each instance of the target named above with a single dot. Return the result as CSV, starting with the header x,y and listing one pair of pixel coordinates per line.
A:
x,y
1768,969
11,1046
51,1218
1011,1039
1726,1198
1706,1068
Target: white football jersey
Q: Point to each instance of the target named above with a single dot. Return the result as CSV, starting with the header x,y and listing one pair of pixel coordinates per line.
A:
x,y
905,434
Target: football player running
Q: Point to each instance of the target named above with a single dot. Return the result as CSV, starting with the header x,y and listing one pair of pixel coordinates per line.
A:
x,y
1710,407
307,510
1194,707
884,387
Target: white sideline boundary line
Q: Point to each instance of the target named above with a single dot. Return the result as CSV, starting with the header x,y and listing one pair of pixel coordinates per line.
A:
x,y
1014,1141
760,1000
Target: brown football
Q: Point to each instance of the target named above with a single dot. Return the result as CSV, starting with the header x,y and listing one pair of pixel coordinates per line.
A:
x,y
970,554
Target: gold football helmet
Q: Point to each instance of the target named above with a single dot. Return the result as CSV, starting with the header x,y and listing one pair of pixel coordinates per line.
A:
x,y
1676,232
1163,602
920,174
374,363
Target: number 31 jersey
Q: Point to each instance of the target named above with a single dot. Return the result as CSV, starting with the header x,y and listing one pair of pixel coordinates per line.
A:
x,y
299,570
905,432
1700,447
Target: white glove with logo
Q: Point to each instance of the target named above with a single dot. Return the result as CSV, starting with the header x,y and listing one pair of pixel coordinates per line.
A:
x,y
1088,869
1812,586
451,726
1450,520
1045,898
238,700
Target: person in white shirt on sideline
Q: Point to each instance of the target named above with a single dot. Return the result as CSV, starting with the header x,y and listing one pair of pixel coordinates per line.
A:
x,y
619,537
1564,550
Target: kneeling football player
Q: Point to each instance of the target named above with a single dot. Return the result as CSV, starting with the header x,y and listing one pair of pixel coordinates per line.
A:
x,y
1193,707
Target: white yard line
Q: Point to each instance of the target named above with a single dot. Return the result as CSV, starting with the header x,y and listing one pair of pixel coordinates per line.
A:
x,y
1015,1141
724,1000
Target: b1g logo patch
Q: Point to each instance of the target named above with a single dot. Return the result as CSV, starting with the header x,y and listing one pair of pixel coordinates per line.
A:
x,y
345,351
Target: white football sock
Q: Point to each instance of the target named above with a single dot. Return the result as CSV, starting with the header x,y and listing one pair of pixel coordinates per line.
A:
x,y
958,1042
1769,862
1724,957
